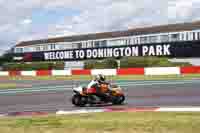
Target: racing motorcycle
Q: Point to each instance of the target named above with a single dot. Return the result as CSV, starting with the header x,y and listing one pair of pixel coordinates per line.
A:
x,y
83,96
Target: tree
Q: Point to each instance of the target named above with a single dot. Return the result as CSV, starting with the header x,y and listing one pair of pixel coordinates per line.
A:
x,y
110,63
101,64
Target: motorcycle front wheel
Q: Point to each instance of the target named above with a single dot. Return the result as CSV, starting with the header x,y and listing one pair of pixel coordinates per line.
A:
x,y
117,100
79,100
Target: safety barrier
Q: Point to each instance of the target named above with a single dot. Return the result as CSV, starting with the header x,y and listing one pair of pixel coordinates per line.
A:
x,y
61,72
28,73
130,71
124,71
14,73
104,71
44,72
162,71
190,70
81,72
4,73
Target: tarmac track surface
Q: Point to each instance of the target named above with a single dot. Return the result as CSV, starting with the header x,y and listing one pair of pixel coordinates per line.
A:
x,y
138,94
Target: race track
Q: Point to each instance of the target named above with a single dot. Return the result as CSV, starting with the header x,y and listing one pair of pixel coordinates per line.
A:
x,y
52,96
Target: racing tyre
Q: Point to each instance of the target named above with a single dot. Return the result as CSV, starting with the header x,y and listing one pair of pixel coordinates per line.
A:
x,y
118,100
79,100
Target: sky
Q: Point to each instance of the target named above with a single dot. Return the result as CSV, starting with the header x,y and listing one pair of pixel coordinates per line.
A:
x,y
22,20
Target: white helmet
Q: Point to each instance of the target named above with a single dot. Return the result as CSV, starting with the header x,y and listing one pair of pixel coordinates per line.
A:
x,y
100,77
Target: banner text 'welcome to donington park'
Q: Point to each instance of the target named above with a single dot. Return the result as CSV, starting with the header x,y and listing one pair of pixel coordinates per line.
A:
x,y
146,50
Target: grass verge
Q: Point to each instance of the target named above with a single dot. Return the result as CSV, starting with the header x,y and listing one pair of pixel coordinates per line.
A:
x,y
8,86
121,77
141,122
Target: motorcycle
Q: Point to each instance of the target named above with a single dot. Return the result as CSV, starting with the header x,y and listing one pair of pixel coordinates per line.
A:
x,y
83,96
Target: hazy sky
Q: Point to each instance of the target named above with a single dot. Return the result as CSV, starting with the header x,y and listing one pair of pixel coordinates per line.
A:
x,y
36,19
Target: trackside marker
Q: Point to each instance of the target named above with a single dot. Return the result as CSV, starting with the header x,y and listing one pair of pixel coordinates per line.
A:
x,y
181,109
138,109
83,111
2,115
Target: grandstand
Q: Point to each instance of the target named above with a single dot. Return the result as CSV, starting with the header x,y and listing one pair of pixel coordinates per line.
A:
x,y
173,40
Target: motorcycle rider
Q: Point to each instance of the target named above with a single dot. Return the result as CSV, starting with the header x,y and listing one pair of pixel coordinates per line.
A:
x,y
96,82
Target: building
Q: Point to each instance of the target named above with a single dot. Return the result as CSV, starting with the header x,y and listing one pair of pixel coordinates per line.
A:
x,y
173,40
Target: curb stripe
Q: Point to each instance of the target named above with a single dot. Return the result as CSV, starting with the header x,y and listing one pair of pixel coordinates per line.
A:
x,y
183,109
84,111
137,109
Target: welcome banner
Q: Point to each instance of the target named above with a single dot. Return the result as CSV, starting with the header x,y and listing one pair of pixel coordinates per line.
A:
x,y
175,49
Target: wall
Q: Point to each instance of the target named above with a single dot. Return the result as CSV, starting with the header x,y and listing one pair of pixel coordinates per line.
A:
x,y
127,71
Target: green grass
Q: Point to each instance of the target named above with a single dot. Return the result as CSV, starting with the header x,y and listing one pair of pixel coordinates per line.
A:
x,y
8,86
121,77
141,122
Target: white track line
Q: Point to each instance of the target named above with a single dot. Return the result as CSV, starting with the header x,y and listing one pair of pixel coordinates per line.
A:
x,y
137,109
83,111
178,109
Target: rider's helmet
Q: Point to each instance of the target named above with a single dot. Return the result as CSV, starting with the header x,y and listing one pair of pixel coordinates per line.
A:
x,y
100,78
